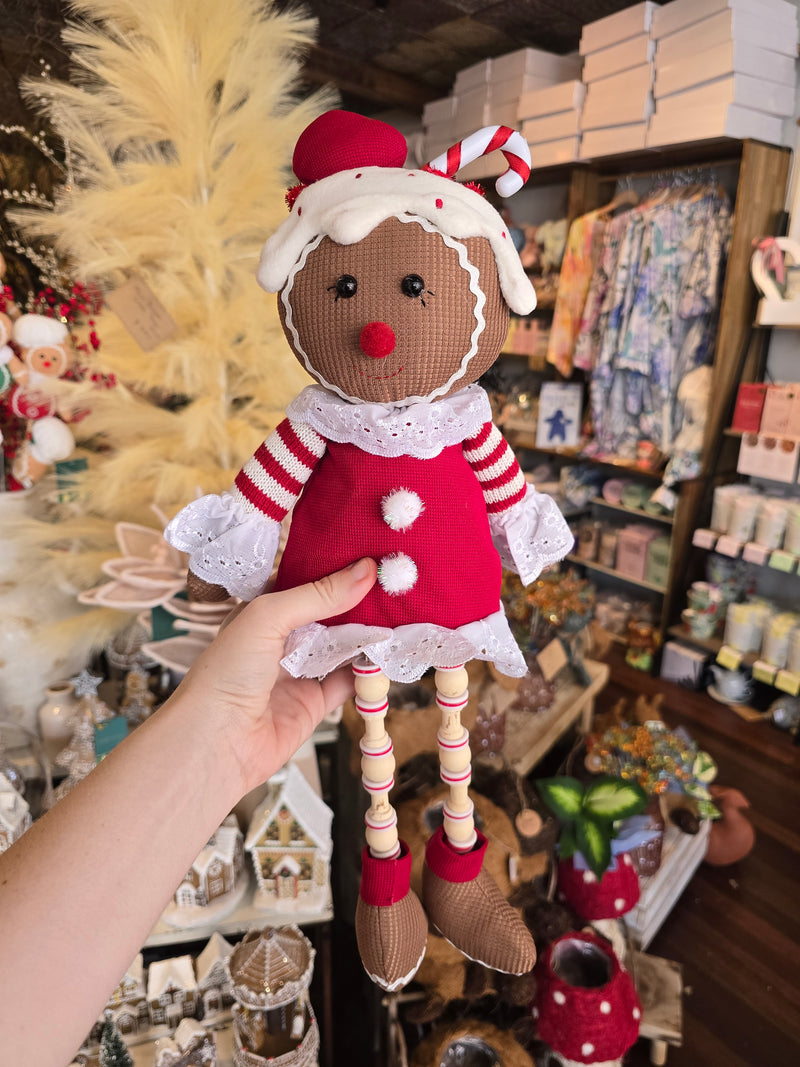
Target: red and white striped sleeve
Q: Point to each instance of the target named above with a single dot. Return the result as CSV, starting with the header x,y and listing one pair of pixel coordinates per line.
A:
x,y
273,478
496,468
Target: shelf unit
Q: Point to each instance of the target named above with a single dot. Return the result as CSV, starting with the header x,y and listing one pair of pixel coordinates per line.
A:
x,y
611,573
638,513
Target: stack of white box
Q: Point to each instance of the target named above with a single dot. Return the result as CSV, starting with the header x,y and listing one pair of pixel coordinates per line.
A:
x,y
618,73
724,68
551,122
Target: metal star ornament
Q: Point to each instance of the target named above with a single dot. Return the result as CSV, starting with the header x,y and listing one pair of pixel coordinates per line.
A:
x,y
86,684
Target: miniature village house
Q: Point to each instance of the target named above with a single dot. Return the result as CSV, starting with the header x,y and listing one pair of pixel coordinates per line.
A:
x,y
273,1021
15,816
213,982
290,845
215,870
190,1046
127,1004
171,990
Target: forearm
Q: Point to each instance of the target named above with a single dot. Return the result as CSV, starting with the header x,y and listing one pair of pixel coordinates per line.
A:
x,y
81,890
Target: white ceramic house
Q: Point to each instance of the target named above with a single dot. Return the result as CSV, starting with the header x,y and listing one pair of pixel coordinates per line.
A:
x,y
15,816
215,870
289,841
213,982
190,1046
171,990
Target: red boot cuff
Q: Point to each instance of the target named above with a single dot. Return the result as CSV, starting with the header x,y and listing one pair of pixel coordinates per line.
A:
x,y
384,882
452,866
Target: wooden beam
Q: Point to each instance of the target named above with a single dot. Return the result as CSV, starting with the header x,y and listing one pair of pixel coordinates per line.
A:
x,y
323,67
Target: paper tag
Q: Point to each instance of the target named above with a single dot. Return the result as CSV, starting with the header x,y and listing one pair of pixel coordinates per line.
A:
x,y
551,659
142,313
788,682
782,561
764,672
754,553
729,657
729,546
704,538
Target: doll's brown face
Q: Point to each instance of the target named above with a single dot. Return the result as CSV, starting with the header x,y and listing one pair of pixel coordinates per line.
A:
x,y
396,315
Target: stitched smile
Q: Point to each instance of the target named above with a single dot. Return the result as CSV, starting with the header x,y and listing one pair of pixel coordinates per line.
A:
x,y
379,377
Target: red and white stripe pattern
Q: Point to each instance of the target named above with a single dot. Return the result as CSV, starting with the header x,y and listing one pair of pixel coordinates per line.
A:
x,y
481,143
496,467
273,478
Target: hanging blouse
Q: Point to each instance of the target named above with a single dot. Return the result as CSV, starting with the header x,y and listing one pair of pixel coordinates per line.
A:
x,y
583,244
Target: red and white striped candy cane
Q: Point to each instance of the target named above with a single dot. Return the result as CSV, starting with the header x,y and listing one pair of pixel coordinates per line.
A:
x,y
511,143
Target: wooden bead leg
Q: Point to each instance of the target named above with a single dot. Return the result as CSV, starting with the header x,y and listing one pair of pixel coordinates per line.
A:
x,y
455,759
377,758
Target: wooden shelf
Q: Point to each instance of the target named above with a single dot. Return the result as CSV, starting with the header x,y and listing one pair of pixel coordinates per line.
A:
x,y
592,566
638,512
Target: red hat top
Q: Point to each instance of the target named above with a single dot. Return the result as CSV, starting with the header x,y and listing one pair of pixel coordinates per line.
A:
x,y
342,140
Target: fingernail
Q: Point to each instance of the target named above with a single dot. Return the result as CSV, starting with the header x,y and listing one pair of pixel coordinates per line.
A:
x,y
359,569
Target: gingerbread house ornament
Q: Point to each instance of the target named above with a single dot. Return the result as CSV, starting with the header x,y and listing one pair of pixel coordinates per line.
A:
x,y
273,1021
214,884
171,990
213,983
127,1004
190,1046
15,816
289,842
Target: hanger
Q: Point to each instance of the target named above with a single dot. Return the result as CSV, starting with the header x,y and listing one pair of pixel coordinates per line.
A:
x,y
625,197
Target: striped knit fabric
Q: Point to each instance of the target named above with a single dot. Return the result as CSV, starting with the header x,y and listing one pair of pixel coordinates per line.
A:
x,y
273,478
496,468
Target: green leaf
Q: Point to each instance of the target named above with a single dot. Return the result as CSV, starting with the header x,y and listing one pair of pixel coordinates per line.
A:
x,y
562,795
567,845
593,841
614,798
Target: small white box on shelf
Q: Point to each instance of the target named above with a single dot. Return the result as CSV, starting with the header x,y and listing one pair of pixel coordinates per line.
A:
x,y
636,80
552,127
436,111
612,140
632,53
620,99
618,27
728,25
541,102
670,18
510,90
551,153
755,93
732,57
502,115
535,61
471,110
472,77
704,124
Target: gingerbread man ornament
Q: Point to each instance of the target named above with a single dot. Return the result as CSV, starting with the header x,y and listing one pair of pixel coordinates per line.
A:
x,y
394,288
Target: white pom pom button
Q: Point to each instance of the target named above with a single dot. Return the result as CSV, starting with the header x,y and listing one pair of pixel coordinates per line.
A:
x,y
397,574
401,508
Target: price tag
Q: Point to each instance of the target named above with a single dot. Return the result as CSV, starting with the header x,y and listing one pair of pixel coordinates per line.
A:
x,y
730,658
704,538
782,561
729,546
788,682
764,672
754,553
142,313
551,659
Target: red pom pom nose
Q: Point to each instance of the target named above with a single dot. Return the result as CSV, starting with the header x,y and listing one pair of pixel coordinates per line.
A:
x,y
377,340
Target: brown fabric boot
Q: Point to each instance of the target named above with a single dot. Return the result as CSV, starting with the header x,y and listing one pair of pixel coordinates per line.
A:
x,y
391,928
465,905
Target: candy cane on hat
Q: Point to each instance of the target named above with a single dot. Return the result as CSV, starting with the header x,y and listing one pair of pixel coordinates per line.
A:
x,y
511,143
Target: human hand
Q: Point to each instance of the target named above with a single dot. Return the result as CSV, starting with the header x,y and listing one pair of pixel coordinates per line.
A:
x,y
262,712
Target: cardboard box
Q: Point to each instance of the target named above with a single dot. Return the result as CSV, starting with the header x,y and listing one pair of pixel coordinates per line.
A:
x,y
437,111
749,405
473,77
510,90
471,111
502,115
777,411
613,139
620,110
552,127
619,57
637,80
732,57
541,102
729,25
632,547
741,89
535,61
680,13
768,457
709,123
602,33
551,153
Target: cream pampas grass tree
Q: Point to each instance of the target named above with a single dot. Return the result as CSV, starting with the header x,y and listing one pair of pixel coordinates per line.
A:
x,y
179,123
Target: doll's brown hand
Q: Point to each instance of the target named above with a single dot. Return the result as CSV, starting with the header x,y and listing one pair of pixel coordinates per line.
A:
x,y
204,592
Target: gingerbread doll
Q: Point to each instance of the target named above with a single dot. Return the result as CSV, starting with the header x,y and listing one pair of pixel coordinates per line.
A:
x,y
394,287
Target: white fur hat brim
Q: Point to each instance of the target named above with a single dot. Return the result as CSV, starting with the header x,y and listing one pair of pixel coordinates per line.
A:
x,y
39,331
348,205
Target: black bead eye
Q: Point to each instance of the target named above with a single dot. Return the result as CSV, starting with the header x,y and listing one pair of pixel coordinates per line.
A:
x,y
412,285
346,286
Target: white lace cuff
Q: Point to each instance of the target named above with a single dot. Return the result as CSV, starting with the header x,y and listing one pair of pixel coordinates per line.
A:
x,y
227,544
531,535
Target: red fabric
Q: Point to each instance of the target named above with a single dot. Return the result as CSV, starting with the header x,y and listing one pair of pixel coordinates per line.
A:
x,y
341,140
512,471
453,866
587,1024
598,900
30,405
338,520
384,882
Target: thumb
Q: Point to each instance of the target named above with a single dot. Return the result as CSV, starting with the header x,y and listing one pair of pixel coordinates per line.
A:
x,y
323,599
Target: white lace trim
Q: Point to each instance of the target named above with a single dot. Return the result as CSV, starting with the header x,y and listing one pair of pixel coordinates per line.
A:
x,y
227,545
531,535
420,430
405,653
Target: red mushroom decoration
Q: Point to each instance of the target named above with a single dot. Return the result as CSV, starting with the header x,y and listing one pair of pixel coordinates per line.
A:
x,y
595,898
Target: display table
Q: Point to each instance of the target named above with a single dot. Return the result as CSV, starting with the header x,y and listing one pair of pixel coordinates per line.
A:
x,y
530,735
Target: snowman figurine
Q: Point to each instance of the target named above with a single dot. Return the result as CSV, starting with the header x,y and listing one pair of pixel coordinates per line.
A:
x,y
394,287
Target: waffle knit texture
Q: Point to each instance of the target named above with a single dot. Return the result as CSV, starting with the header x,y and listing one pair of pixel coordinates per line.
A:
x,y
496,467
454,866
587,1024
273,478
615,893
385,882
